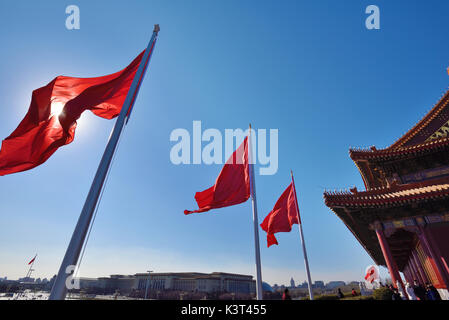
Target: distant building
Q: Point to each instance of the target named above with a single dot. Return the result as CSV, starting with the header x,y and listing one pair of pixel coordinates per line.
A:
x,y
51,282
292,283
353,283
26,279
182,281
335,284
88,283
318,284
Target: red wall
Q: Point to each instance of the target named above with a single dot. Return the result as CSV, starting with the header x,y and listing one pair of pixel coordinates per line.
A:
x,y
440,234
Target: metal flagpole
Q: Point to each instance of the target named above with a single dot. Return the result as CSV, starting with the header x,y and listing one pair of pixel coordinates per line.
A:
x,y
70,260
259,294
28,275
306,261
30,270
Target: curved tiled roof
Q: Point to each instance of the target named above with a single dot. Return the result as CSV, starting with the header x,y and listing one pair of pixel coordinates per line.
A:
x,y
388,153
405,145
397,195
425,121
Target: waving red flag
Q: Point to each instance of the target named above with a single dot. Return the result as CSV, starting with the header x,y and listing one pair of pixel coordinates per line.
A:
x,y
32,260
232,185
282,217
51,119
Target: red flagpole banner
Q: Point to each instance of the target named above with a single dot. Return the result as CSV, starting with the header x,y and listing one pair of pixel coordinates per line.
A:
x,y
232,185
51,118
283,216
32,260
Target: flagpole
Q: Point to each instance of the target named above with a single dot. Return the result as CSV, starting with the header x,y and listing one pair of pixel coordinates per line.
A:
x,y
259,292
28,275
30,270
59,289
306,261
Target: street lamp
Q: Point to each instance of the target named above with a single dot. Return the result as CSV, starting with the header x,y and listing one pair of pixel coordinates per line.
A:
x,y
148,281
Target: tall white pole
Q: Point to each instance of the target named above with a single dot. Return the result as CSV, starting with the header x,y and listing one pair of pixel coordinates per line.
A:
x,y
259,292
70,260
306,261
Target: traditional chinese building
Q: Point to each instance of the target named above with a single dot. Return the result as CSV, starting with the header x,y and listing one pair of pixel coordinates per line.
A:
x,y
402,218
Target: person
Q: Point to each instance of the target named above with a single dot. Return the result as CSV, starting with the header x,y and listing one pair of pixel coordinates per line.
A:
x,y
396,295
432,292
353,292
286,295
401,290
419,290
340,294
390,289
410,291
429,293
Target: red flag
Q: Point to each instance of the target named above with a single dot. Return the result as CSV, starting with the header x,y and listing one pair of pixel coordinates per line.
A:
x,y
283,215
51,118
32,260
232,185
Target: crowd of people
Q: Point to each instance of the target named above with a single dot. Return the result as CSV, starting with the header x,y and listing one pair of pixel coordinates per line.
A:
x,y
414,292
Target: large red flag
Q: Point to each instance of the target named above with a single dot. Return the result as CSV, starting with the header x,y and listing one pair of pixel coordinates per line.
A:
x,y
283,215
51,118
232,185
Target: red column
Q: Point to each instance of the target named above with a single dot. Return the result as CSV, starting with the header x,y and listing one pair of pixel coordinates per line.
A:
x,y
391,264
420,268
426,245
436,248
416,274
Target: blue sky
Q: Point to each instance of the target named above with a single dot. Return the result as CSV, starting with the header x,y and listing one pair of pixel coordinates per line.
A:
x,y
307,68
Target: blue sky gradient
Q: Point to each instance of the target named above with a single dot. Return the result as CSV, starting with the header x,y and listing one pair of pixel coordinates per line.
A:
x,y
308,68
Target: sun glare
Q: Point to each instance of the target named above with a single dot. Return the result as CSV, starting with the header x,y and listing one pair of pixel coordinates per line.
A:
x,y
56,108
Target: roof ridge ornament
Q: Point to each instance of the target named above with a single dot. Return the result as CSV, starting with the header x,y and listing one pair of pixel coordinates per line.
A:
x,y
354,190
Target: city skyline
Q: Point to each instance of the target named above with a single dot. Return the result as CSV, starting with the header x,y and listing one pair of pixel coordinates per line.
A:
x,y
299,284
